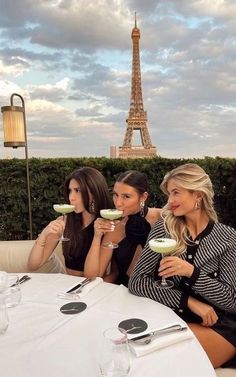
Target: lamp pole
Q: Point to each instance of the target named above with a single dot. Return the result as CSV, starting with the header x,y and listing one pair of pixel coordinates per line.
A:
x,y
25,144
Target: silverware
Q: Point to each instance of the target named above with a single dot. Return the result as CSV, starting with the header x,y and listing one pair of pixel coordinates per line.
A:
x,y
22,280
78,287
147,338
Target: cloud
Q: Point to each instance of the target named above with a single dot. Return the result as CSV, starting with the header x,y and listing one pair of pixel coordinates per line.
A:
x,y
72,62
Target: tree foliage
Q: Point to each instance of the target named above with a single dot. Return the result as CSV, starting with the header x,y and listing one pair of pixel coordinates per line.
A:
x,y
47,187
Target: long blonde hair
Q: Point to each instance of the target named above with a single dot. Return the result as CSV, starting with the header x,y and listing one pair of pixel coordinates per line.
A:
x,y
193,178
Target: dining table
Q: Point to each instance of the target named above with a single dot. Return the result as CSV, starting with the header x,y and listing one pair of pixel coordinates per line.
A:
x,y
44,341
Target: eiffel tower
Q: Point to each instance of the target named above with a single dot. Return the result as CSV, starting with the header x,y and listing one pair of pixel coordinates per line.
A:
x,y
137,119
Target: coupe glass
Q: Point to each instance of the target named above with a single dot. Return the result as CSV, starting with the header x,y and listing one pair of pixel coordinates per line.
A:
x,y
114,353
164,246
111,214
63,209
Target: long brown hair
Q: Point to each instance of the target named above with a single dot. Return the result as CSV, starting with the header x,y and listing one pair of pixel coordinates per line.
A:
x,y
89,180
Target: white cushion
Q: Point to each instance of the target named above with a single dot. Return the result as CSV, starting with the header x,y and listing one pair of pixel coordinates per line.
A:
x,y
225,372
14,256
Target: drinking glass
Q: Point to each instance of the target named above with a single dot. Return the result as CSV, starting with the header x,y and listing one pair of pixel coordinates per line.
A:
x,y
63,209
3,315
13,291
164,246
111,214
3,281
114,353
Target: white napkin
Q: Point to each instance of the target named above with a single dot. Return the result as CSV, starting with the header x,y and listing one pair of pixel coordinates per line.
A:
x,y
85,290
158,342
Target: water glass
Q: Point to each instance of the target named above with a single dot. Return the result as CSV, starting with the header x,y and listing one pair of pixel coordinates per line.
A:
x,y
3,281
3,315
13,291
114,358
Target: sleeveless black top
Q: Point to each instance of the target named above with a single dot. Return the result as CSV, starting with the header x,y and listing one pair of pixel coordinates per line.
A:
x,y
137,229
75,259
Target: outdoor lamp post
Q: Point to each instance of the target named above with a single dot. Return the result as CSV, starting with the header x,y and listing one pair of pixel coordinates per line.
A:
x,y
15,135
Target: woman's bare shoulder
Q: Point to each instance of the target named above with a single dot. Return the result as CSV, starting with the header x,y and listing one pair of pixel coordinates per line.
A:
x,y
153,215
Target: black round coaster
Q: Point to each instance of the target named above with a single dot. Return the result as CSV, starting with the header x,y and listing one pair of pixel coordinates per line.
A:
x,y
133,325
73,308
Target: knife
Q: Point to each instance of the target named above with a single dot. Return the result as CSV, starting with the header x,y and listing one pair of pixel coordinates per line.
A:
x,y
80,285
22,280
164,331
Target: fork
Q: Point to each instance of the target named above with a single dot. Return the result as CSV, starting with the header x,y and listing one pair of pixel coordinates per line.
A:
x,y
78,286
83,284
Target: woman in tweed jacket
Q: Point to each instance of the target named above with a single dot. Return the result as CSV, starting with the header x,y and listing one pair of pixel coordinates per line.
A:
x,y
202,268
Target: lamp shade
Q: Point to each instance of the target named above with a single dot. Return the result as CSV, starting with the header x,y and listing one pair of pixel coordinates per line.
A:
x,y
13,126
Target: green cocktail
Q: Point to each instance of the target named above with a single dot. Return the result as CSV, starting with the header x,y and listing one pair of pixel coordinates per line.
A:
x,y
164,246
111,214
63,209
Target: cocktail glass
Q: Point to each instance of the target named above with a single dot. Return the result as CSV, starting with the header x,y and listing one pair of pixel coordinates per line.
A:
x,y
164,246
63,209
111,214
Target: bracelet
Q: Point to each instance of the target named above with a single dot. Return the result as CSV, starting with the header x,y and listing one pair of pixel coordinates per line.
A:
x,y
40,243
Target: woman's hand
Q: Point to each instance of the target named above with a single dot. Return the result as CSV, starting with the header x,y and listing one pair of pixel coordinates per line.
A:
x,y
54,227
170,266
205,311
102,226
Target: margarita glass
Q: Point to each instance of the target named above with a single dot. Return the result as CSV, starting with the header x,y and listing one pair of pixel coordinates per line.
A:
x,y
111,214
164,246
63,209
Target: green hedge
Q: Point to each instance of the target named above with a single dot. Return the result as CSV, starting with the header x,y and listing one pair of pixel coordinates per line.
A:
x,y
47,180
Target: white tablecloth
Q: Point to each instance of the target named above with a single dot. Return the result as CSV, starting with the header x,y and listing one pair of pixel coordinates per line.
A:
x,y
43,342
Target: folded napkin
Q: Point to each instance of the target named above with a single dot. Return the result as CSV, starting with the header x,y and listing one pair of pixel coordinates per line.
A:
x,y
158,342
84,291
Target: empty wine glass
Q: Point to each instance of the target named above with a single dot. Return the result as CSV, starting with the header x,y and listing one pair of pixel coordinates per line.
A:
x,y
164,246
114,353
63,209
111,214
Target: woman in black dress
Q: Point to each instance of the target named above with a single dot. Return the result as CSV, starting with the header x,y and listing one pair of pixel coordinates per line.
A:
x,y
130,193
87,190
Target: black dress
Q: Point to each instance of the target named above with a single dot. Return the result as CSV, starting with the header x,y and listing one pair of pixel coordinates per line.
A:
x,y
75,258
137,229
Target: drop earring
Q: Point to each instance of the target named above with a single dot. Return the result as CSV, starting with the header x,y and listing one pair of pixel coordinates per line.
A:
x,y
142,209
92,207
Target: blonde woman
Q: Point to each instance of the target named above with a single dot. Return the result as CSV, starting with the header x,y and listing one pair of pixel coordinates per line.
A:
x,y
203,267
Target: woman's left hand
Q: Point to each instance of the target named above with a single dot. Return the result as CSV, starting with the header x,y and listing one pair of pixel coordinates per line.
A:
x,y
170,266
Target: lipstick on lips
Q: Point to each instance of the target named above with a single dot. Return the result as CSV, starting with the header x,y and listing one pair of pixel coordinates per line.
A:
x,y
173,208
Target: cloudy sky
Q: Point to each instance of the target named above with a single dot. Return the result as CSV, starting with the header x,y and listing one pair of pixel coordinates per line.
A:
x,y
71,61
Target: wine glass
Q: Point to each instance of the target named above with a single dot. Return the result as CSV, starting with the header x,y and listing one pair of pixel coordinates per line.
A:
x,y
111,214
63,209
114,353
164,246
